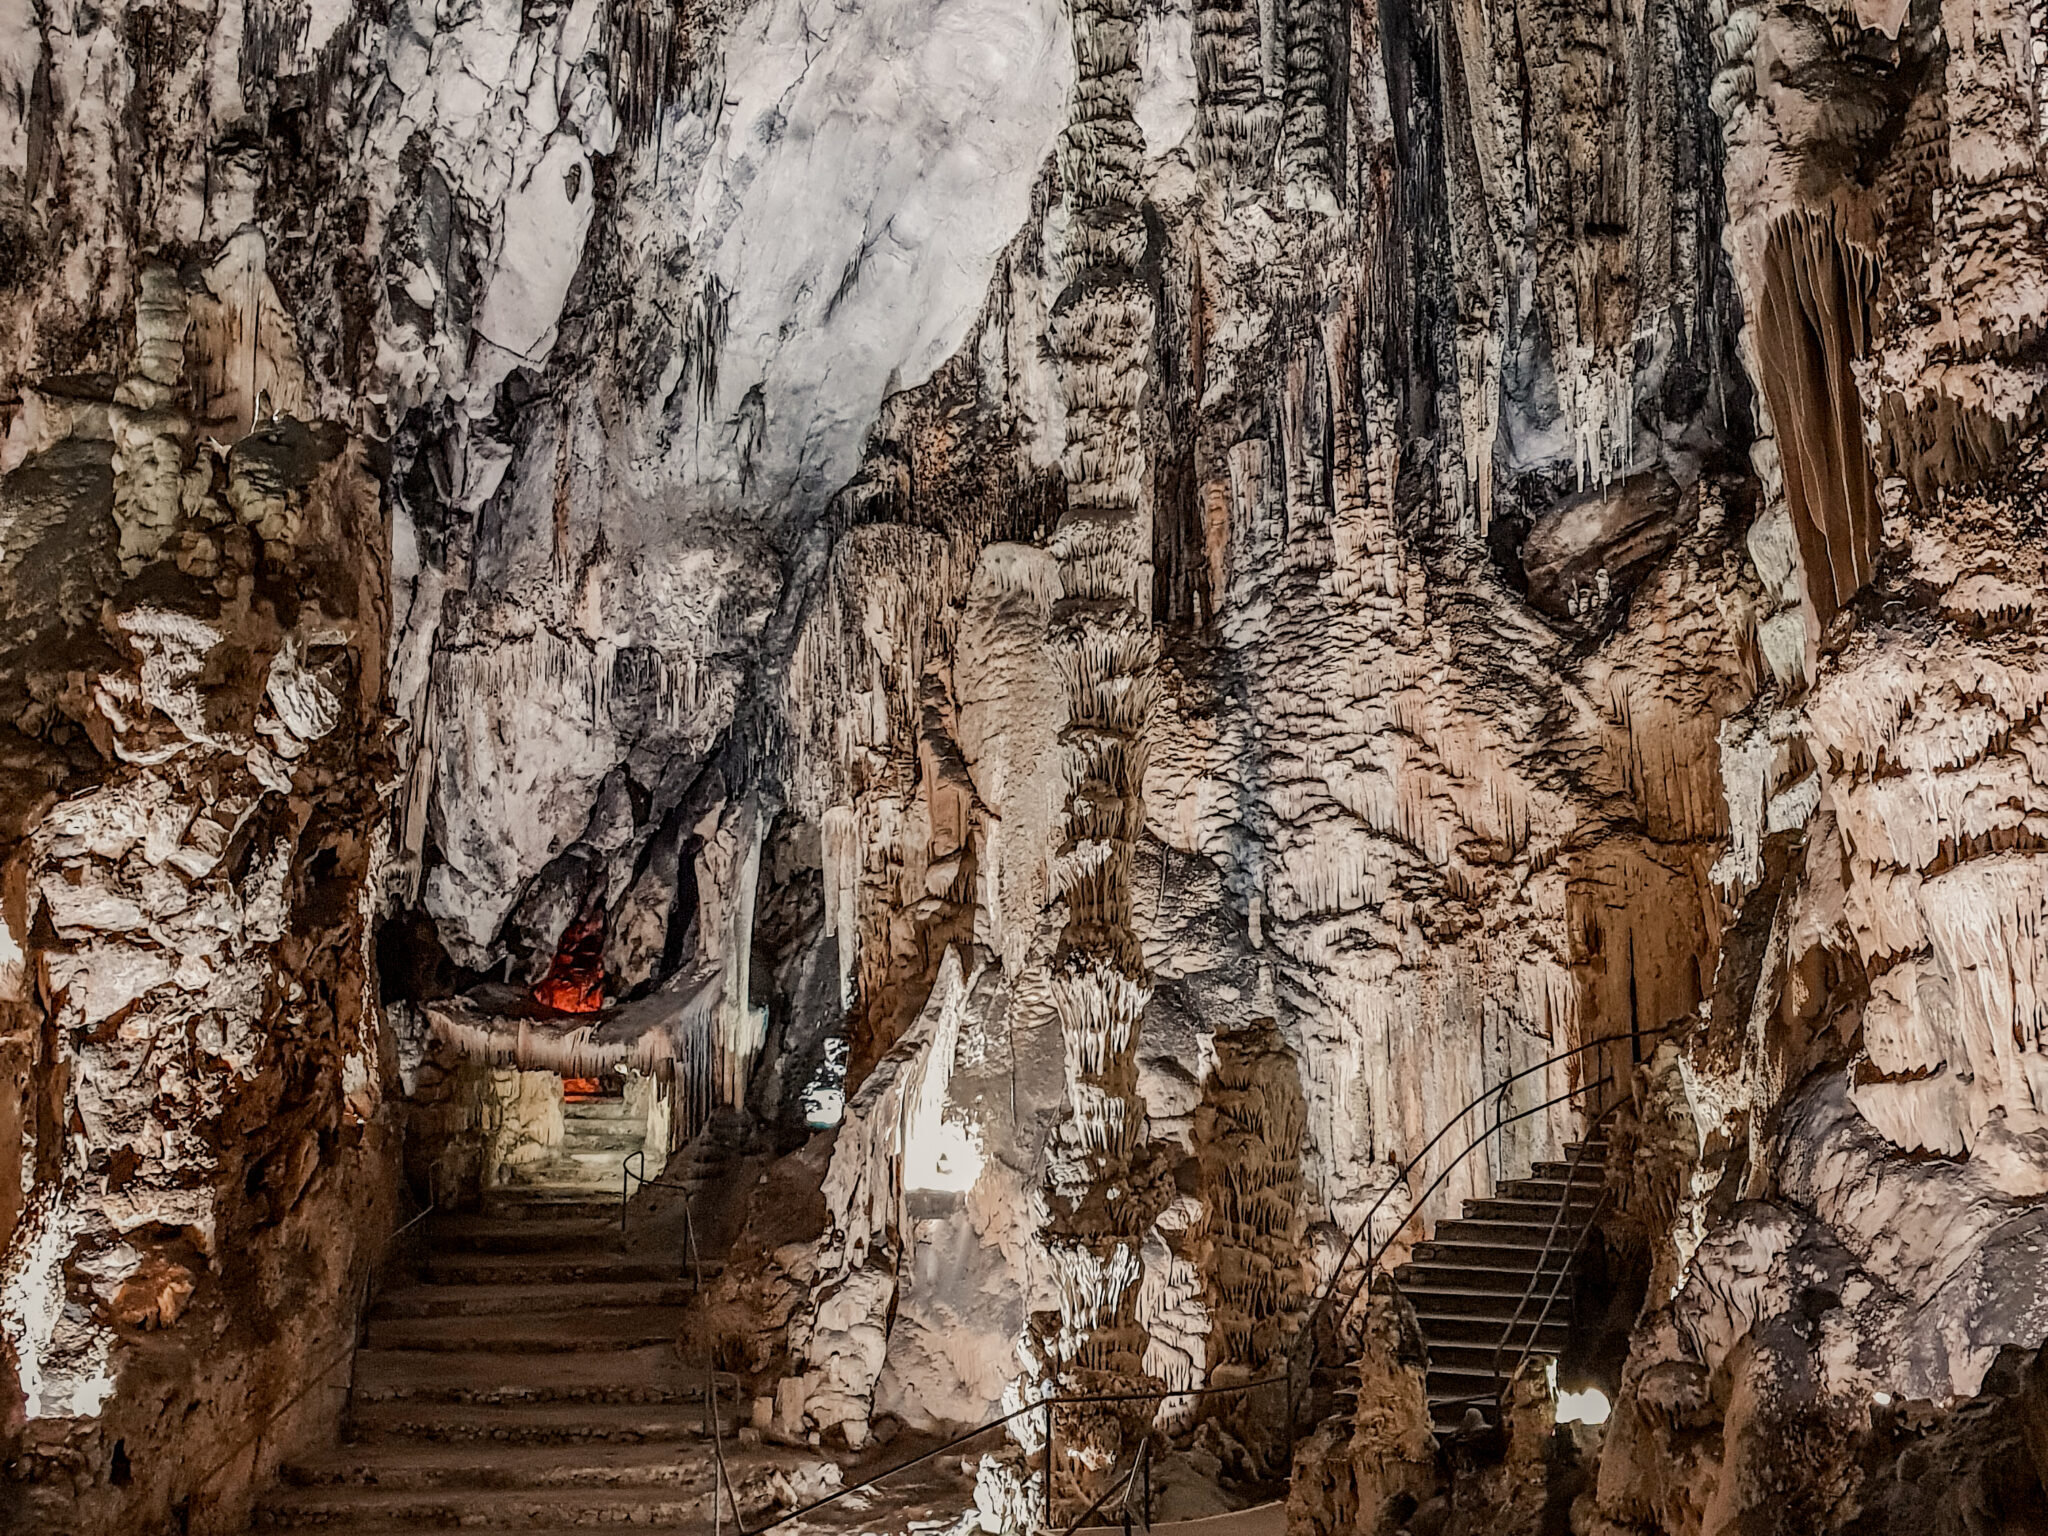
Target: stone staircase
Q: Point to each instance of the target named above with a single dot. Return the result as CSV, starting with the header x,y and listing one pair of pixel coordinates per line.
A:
x,y
528,1380
1467,1282
599,1134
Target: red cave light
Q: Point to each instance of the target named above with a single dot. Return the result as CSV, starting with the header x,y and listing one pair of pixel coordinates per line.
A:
x,y
575,982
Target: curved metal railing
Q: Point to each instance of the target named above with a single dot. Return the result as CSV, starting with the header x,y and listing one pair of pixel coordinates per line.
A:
x,y
1046,1405
1140,1464
1299,1368
629,1176
1571,1177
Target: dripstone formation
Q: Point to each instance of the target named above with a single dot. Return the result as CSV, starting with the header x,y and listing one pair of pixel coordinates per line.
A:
x,y
1112,670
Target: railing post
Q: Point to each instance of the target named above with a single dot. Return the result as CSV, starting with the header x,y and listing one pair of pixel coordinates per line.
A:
x,y
718,1468
1048,1464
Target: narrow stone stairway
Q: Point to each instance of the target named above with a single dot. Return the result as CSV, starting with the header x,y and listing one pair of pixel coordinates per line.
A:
x,y
528,1378
1467,1282
600,1133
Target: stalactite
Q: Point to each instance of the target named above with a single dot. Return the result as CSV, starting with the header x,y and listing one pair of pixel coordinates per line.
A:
x,y
1812,326
650,62
1312,124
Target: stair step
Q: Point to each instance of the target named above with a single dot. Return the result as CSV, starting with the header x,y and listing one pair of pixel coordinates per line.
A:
x,y
565,1268
1527,1212
1503,1256
622,1134
483,1234
1437,1328
1431,1275
606,1110
1534,1235
587,1329
1548,1192
1458,1382
649,1374
525,1423
594,1159
565,1179
1453,1298
1477,1358
658,1464
502,1300
564,1202
492,1509
1592,1171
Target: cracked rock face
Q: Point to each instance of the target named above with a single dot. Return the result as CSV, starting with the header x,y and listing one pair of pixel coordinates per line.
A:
x,y
1116,608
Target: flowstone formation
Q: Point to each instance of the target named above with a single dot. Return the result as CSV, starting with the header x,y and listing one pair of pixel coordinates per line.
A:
x,y
1105,660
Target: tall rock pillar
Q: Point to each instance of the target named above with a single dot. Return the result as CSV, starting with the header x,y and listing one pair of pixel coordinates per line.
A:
x,y
1102,1192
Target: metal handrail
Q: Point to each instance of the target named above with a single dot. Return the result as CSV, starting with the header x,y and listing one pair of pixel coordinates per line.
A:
x,y
1140,1462
1041,1404
1496,1091
1557,1284
1571,1177
1375,1249
629,1175
255,1436
1379,1246
1373,1255
1499,1395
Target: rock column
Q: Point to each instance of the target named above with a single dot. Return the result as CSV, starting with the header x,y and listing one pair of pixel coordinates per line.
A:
x,y
1101,1195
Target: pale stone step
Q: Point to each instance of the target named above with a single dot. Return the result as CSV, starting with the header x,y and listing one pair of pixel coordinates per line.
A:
x,y
554,1202
500,1300
596,1157
601,1109
586,1329
621,1134
561,1267
491,1509
483,1234
660,1464
525,1423
564,1176
650,1374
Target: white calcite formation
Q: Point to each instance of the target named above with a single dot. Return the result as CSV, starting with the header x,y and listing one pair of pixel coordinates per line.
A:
x,y
1119,609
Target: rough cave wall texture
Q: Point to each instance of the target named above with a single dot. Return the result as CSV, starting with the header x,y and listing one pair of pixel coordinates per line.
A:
x,y
1218,577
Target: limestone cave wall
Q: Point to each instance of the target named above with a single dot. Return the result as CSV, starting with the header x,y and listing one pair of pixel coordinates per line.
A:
x,y
1096,614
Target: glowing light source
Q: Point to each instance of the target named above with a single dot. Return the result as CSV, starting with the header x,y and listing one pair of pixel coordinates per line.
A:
x,y
943,1156
1881,1399
1587,1407
575,981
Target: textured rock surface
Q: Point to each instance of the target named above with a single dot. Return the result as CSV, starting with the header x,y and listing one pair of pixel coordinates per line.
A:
x,y
199,1126
1132,604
